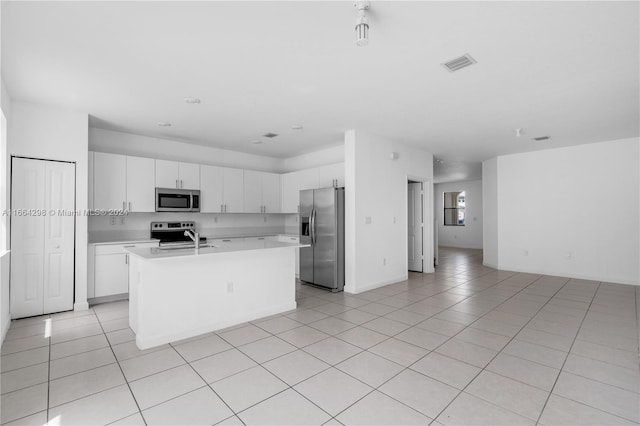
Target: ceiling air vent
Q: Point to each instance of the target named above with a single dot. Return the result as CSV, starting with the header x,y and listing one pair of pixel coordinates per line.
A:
x,y
542,138
270,135
459,63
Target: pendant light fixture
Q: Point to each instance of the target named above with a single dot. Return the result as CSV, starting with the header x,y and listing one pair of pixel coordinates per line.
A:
x,y
362,23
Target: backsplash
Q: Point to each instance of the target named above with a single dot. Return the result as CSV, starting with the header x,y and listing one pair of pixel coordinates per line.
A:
x,y
219,224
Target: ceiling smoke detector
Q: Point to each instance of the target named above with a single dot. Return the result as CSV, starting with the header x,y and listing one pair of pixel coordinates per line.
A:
x,y
542,138
164,124
297,127
270,135
459,63
191,100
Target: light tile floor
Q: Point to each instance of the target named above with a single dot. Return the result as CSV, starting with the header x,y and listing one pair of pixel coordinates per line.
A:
x,y
465,345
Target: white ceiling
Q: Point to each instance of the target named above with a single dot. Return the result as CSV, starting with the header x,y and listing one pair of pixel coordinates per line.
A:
x,y
569,70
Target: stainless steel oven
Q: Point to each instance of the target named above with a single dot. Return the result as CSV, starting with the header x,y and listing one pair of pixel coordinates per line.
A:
x,y
177,200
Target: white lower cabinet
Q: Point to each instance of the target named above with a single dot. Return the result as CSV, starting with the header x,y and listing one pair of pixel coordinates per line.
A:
x,y
109,273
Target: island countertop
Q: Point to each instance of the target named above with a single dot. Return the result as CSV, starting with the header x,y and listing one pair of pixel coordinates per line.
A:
x,y
157,253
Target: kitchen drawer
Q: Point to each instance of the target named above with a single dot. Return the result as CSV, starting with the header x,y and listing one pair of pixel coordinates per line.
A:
x,y
102,249
267,238
220,241
288,239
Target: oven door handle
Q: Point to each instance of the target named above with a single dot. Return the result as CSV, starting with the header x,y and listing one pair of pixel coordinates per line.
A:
x,y
191,201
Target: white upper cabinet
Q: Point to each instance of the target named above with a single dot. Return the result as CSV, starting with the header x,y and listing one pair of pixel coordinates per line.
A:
x,y
271,193
123,182
189,176
290,192
90,200
261,192
233,190
141,184
109,181
221,189
172,174
331,175
211,189
252,191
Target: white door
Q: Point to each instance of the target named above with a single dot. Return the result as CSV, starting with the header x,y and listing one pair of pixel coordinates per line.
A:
x,y
59,236
141,182
42,239
415,223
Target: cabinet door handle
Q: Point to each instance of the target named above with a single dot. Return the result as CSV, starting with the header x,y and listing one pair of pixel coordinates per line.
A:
x,y
128,246
221,208
177,184
181,184
126,259
129,205
226,241
225,208
123,206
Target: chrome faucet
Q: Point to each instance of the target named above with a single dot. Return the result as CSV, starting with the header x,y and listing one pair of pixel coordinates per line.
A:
x,y
194,236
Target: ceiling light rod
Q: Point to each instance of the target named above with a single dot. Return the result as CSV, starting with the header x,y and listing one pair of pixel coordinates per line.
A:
x,y
362,23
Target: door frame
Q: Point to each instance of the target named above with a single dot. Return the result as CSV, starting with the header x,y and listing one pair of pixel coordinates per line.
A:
x,y
427,220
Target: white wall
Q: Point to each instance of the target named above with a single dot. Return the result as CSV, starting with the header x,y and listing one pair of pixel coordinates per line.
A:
x,y
469,235
129,144
376,187
322,157
490,216
5,314
44,132
572,211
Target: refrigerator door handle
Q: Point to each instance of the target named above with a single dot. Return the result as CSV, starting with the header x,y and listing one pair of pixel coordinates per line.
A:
x,y
313,226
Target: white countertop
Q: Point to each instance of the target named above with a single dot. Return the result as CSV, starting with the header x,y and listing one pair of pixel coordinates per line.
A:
x,y
155,253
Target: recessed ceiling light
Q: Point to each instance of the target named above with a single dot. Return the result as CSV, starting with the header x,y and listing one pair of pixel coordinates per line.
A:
x,y
256,142
270,135
164,124
297,127
190,100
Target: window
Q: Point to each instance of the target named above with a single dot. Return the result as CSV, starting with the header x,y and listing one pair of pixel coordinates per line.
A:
x,y
454,204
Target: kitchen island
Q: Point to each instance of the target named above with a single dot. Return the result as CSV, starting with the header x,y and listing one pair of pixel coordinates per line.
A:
x,y
181,293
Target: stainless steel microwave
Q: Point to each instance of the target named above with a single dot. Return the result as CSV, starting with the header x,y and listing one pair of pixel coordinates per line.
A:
x,y
177,200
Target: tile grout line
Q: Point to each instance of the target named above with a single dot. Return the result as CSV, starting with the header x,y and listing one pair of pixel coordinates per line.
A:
x,y
498,352
123,376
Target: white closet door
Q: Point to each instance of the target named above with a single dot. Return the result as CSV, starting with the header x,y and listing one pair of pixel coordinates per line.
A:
x,y
27,235
59,237
42,239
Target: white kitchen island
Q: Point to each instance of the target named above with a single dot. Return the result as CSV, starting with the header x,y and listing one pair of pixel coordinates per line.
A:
x,y
177,294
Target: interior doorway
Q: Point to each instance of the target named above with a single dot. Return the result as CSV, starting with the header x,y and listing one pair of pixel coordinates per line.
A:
x,y
415,225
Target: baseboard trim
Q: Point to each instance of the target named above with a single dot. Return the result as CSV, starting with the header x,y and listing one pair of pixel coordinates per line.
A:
x,y
81,306
541,271
377,285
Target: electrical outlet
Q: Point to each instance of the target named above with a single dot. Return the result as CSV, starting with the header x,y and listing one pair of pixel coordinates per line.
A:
x,y
367,220
122,220
394,219
265,219
230,287
215,219
384,261
525,252
112,220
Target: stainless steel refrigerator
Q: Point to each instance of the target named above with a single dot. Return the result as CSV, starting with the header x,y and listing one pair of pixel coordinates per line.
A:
x,y
322,226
